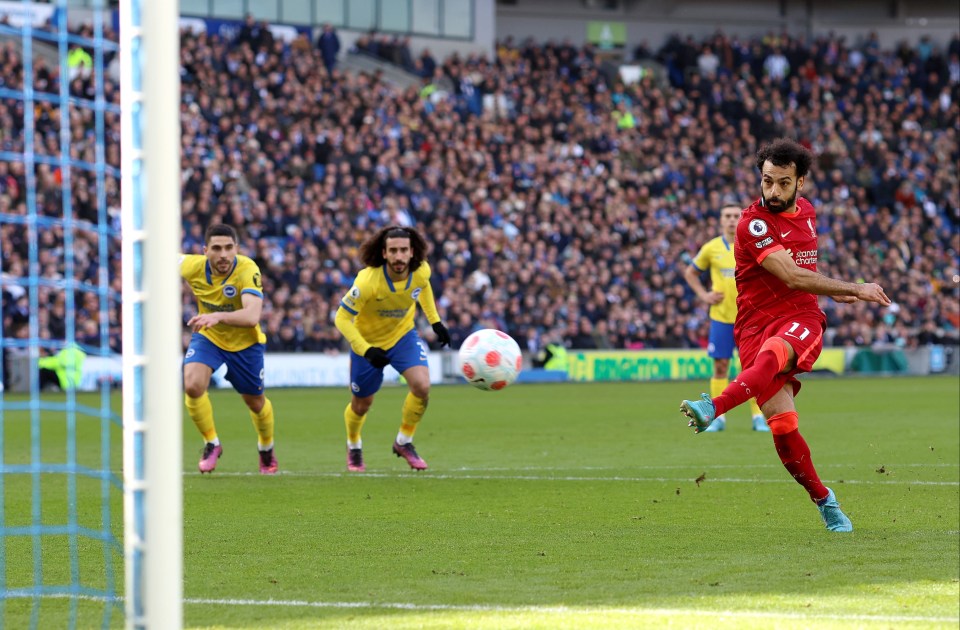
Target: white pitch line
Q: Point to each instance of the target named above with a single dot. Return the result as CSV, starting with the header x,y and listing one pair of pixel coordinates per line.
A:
x,y
684,467
565,610
616,478
494,608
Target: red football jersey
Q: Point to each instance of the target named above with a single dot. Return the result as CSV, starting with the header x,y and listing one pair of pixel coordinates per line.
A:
x,y
761,296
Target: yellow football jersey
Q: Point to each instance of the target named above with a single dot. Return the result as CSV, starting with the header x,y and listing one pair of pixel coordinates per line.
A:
x,y
383,311
717,256
222,293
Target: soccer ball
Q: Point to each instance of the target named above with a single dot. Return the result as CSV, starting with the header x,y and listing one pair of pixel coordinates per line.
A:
x,y
490,359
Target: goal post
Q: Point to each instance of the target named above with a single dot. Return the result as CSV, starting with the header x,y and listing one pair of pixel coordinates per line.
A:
x,y
152,387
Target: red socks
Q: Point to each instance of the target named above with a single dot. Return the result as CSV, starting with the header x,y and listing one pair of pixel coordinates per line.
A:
x,y
790,445
795,455
750,383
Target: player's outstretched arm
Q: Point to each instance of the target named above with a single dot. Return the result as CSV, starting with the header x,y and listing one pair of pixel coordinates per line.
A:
x,y
781,264
872,292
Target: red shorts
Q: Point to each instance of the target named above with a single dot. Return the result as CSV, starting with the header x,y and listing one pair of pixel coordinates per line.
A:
x,y
804,333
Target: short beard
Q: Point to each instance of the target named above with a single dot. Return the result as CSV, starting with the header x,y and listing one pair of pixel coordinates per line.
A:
x,y
789,202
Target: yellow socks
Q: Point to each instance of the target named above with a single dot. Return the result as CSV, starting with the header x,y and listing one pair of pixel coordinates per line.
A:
x,y
717,385
201,412
755,408
354,424
413,409
263,423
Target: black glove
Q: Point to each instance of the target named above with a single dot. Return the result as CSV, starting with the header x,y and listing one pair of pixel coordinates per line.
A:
x,y
377,357
443,335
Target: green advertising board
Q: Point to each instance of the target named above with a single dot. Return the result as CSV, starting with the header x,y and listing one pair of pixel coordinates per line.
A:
x,y
666,365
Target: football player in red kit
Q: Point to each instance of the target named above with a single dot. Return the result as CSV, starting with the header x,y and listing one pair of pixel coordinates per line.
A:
x,y
779,326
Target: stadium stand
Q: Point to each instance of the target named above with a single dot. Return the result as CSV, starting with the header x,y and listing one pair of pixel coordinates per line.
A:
x,y
562,204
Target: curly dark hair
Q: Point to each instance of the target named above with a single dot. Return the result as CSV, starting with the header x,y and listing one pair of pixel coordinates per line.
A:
x,y
784,152
371,251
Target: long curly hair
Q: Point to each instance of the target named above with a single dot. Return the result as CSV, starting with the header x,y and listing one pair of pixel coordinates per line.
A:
x,y
371,251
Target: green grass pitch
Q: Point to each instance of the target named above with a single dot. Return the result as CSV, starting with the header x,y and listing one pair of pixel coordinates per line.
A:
x,y
550,506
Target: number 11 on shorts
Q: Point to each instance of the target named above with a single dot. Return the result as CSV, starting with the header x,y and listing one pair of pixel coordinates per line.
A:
x,y
793,331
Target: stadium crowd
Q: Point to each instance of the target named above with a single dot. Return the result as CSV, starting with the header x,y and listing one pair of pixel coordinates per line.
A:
x,y
562,204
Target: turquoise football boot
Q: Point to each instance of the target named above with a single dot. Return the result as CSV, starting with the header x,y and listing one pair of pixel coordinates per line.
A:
x,y
719,424
701,413
833,517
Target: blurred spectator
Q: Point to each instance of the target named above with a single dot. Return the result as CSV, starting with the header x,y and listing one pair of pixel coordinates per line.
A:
x,y
329,45
255,34
79,62
427,64
708,63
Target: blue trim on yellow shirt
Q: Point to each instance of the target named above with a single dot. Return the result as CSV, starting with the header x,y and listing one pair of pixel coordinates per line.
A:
x,y
347,308
252,292
389,281
393,289
209,273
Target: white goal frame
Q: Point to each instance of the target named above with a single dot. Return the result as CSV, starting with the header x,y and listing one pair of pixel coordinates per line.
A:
x,y
152,383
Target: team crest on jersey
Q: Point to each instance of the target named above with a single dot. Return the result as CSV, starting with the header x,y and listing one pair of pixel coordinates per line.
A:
x,y
229,291
416,293
758,227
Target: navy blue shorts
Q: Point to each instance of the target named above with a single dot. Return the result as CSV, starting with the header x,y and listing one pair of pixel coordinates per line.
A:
x,y
244,368
365,380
